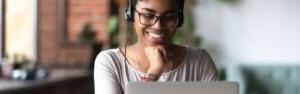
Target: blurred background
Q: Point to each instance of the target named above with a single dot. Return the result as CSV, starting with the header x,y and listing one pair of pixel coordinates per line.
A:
x,y
49,46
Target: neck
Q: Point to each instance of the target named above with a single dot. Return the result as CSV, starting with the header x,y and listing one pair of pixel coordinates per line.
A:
x,y
140,46
138,52
139,49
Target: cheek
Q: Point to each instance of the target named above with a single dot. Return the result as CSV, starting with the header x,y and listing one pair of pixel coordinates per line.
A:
x,y
138,28
173,31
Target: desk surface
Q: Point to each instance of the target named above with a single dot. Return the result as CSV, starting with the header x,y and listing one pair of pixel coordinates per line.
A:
x,y
55,76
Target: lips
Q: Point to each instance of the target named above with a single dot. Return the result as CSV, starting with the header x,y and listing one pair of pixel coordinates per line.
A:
x,y
155,37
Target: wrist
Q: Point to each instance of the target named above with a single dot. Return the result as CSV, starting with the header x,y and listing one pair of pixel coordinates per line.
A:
x,y
155,70
150,77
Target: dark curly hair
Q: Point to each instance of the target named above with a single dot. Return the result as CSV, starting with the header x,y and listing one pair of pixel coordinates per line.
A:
x,y
179,2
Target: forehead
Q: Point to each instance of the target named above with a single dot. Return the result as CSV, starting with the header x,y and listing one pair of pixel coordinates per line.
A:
x,y
158,6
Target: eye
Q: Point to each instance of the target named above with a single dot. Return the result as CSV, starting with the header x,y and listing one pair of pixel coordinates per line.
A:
x,y
170,17
148,16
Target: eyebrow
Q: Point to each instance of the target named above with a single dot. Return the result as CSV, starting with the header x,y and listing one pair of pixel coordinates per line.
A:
x,y
153,11
149,10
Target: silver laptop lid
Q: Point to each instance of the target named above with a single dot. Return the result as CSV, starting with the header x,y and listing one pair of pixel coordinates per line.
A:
x,y
182,88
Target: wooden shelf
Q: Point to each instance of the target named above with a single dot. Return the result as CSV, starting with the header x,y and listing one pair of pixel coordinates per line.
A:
x,y
60,81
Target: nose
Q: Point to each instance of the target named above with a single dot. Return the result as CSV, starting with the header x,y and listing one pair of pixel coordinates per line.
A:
x,y
158,25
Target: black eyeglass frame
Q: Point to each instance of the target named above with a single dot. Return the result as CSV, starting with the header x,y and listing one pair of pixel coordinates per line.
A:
x,y
156,18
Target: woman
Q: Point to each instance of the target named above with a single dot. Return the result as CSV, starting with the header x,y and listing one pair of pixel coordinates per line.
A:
x,y
152,57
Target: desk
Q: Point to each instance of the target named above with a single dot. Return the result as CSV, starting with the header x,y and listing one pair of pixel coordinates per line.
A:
x,y
60,81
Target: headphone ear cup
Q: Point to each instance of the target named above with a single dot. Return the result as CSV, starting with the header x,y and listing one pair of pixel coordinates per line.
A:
x,y
128,15
181,19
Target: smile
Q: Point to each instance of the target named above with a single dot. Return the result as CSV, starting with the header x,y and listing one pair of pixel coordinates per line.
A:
x,y
155,37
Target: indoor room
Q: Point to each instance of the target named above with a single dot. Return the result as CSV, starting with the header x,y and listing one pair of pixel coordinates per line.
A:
x,y
62,46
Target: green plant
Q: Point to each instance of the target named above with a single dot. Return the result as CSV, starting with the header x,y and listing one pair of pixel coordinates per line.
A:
x,y
187,34
88,33
222,74
112,30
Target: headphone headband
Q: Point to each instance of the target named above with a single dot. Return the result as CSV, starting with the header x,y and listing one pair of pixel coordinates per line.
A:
x,y
130,9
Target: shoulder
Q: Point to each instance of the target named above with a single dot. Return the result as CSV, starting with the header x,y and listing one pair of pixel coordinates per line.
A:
x,y
109,52
202,62
198,56
106,54
196,52
108,58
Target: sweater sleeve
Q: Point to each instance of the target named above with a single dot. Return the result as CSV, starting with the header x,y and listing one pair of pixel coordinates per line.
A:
x,y
210,72
105,77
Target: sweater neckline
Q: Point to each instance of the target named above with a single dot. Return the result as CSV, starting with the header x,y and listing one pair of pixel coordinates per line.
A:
x,y
126,62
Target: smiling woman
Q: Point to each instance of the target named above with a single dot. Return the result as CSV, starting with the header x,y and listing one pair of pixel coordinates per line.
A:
x,y
153,57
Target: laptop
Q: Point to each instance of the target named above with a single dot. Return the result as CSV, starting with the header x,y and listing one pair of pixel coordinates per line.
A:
x,y
182,88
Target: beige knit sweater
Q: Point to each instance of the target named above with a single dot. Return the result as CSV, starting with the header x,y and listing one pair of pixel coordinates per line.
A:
x,y
112,71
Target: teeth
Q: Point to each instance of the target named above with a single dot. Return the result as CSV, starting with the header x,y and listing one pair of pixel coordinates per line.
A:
x,y
156,35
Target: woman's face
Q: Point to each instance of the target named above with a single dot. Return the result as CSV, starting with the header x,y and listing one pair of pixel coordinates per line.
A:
x,y
155,21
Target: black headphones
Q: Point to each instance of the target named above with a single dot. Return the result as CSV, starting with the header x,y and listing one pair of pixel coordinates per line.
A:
x,y
129,11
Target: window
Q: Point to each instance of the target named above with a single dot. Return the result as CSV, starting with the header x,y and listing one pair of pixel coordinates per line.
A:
x,y
19,28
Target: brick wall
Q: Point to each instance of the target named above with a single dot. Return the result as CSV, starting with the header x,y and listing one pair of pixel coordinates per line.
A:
x,y
83,11
47,41
56,46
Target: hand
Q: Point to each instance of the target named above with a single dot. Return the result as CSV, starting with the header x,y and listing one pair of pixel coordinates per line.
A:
x,y
156,56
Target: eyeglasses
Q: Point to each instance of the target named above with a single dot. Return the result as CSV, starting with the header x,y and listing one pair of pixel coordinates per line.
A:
x,y
149,20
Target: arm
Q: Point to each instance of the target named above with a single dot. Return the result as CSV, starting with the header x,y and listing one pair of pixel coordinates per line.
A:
x,y
105,78
156,56
210,72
